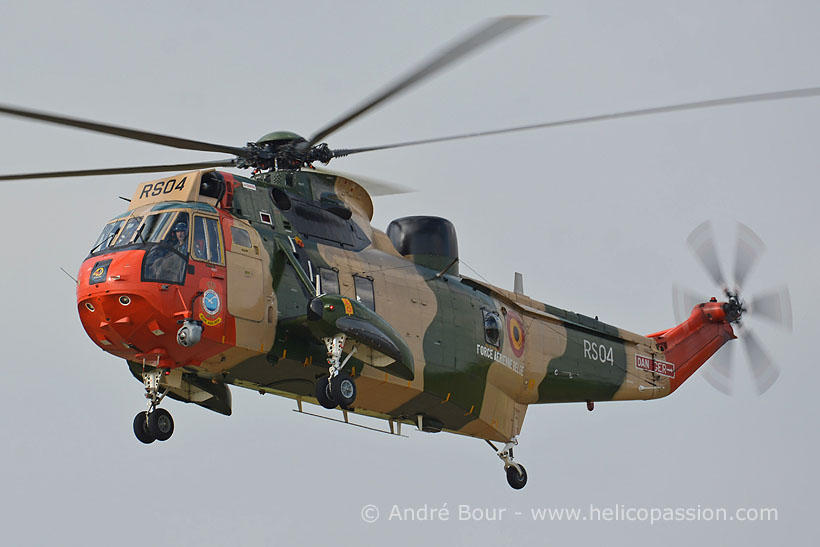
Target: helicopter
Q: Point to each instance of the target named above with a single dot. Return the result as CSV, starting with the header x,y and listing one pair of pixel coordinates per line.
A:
x,y
277,282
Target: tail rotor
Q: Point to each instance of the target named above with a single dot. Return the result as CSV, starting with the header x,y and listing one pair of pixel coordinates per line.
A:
x,y
773,306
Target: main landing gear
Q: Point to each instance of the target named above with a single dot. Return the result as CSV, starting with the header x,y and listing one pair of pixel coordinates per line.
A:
x,y
155,424
337,388
516,474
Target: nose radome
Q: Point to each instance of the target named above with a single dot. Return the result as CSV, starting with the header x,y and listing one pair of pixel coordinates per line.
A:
x,y
161,323
118,311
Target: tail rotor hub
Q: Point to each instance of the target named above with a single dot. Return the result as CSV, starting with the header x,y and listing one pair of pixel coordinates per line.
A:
x,y
734,308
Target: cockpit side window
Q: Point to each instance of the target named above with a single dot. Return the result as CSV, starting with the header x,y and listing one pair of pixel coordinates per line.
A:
x,y
214,243
207,244
200,249
177,237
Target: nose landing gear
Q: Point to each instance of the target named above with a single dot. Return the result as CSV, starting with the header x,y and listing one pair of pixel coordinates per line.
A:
x,y
155,424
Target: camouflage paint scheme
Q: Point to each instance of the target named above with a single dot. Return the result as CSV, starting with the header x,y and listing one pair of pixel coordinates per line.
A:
x,y
456,377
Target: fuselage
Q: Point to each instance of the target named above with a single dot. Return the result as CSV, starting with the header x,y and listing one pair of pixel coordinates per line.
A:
x,y
253,254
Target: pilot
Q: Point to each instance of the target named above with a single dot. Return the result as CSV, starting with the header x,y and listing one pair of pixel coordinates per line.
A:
x,y
180,237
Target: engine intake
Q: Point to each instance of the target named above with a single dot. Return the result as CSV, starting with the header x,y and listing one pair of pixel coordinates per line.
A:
x,y
427,241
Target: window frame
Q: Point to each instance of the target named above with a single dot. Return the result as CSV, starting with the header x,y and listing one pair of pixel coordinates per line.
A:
x,y
330,271
485,313
166,219
129,222
220,236
369,281
234,239
108,239
157,248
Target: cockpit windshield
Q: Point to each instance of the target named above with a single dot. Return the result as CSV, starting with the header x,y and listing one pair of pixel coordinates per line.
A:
x,y
107,236
127,233
164,235
152,228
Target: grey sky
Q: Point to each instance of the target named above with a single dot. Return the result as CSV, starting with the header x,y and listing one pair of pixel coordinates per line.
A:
x,y
595,216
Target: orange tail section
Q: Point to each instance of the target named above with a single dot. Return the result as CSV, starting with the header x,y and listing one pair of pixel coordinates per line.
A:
x,y
692,342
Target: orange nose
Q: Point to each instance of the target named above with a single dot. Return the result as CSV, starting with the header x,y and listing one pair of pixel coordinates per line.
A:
x,y
138,320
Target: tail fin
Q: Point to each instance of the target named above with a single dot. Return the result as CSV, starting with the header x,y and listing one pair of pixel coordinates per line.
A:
x,y
692,342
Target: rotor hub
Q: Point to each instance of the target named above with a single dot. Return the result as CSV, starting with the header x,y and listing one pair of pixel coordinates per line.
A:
x,y
734,308
282,150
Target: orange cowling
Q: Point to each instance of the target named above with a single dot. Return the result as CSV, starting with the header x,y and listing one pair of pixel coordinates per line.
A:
x,y
138,320
695,340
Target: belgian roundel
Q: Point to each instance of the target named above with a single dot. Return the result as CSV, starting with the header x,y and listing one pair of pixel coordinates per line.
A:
x,y
515,332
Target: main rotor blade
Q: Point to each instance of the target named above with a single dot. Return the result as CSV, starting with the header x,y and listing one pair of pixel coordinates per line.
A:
x,y
125,132
749,249
763,368
718,371
374,187
759,97
702,243
683,302
123,170
493,29
774,306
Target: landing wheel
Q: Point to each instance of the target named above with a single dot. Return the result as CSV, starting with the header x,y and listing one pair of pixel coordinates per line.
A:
x,y
517,479
343,388
323,393
160,424
141,428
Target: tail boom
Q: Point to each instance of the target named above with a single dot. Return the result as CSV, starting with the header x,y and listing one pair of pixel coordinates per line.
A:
x,y
691,343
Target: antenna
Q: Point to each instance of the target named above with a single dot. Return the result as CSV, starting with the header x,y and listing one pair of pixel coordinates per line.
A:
x,y
74,279
519,284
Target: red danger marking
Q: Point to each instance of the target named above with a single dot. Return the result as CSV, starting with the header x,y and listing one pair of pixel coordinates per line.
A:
x,y
653,365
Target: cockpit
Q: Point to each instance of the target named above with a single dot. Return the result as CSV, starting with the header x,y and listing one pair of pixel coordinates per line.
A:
x,y
169,233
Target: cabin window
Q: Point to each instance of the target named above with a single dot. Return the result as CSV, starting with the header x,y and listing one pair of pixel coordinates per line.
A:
x,y
240,237
330,281
492,328
364,292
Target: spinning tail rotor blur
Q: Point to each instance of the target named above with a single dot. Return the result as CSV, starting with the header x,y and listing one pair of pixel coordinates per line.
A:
x,y
773,306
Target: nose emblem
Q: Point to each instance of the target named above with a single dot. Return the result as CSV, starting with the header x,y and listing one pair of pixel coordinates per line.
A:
x,y
98,273
210,302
